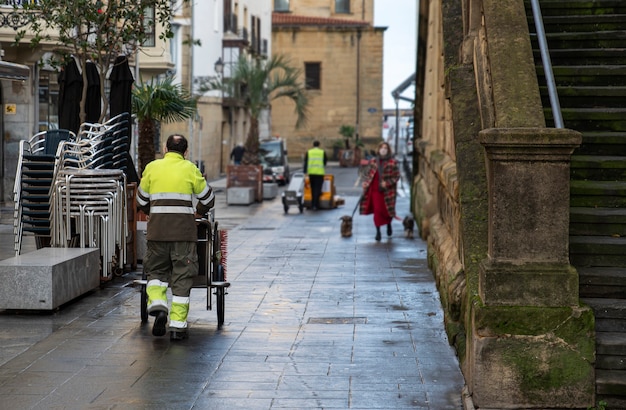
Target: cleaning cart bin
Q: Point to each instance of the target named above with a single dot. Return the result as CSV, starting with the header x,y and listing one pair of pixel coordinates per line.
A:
x,y
327,199
294,192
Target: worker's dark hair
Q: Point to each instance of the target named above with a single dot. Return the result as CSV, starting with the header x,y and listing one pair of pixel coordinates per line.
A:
x,y
176,143
316,143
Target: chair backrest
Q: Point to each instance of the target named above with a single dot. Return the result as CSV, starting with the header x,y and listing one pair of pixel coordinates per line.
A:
x,y
52,139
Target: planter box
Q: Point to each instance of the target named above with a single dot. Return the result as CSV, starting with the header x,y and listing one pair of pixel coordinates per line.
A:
x,y
246,176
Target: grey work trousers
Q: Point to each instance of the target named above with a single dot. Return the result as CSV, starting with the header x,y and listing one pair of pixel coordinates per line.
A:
x,y
173,262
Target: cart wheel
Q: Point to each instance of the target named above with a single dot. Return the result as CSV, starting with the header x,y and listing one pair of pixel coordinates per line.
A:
x,y
220,293
144,304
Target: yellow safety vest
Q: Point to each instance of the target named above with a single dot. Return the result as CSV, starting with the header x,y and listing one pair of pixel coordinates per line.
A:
x,y
315,161
166,193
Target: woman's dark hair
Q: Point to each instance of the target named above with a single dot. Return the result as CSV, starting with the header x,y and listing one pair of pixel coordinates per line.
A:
x,y
177,143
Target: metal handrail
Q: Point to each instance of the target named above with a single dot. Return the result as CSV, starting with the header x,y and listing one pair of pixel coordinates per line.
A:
x,y
547,65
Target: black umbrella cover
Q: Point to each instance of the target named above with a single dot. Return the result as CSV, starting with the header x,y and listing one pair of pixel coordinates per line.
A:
x,y
121,87
93,104
70,92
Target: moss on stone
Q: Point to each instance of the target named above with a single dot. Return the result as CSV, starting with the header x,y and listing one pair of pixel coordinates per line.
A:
x,y
542,368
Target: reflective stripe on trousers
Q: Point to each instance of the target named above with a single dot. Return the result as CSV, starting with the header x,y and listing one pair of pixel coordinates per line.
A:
x,y
178,315
157,296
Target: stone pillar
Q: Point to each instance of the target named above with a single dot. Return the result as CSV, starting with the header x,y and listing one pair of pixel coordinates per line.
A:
x,y
528,234
532,345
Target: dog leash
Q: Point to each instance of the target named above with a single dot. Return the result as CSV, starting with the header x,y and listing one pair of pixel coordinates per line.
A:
x,y
357,205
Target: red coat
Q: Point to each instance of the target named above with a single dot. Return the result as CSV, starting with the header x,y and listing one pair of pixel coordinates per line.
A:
x,y
388,183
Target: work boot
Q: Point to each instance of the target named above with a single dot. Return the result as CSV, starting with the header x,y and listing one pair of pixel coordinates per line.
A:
x,y
178,335
160,322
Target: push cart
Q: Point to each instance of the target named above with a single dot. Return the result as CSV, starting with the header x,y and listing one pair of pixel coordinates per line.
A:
x,y
211,272
294,193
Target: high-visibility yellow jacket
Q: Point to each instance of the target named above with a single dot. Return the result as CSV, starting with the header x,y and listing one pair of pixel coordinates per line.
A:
x,y
166,193
315,161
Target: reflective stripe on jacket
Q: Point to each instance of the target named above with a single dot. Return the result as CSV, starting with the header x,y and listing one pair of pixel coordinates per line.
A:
x,y
315,161
166,193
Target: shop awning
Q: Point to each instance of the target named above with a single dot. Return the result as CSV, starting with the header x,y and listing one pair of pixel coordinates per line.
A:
x,y
12,71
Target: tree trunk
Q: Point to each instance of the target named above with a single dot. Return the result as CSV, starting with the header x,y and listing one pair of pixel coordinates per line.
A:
x,y
251,156
145,145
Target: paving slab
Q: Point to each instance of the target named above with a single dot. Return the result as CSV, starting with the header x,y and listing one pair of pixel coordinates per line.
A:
x,y
312,321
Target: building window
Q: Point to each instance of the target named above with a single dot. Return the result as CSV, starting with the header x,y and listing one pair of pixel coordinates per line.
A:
x,y
312,73
148,26
342,6
281,5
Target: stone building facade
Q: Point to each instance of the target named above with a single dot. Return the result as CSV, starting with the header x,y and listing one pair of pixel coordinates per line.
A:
x,y
340,53
491,197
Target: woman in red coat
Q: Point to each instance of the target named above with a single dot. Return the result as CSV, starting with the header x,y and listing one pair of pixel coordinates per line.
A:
x,y
379,189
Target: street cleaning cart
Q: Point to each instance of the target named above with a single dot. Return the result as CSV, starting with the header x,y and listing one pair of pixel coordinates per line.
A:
x,y
328,197
212,244
294,193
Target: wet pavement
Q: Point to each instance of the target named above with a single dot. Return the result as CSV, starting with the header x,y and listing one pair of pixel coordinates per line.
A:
x,y
312,321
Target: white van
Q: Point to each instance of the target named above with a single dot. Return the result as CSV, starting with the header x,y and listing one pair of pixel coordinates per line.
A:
x,y
273,155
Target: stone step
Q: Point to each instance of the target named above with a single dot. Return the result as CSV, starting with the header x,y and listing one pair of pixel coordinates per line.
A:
x,y
610,314
583,56
587,96
611,383
610,343
602,251
592,119
575,40
601,282
602,143
598,167
580,23
597,221
598,194
579,7
586,75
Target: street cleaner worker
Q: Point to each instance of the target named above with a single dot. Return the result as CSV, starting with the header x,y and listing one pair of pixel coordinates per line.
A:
x,y
166,193
314,162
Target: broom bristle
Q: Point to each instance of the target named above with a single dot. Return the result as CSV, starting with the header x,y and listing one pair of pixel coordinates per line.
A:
x,y
224,250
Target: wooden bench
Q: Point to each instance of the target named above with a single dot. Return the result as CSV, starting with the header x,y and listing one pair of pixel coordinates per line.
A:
x,y
48,277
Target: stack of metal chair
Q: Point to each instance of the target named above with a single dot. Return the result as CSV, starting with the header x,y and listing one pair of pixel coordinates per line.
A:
x,y
89,211
88,206
33,180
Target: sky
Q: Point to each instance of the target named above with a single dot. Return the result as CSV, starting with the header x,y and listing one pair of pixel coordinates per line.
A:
x,y
400,18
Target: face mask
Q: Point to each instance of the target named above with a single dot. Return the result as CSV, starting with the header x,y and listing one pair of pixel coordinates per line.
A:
x,y
383,151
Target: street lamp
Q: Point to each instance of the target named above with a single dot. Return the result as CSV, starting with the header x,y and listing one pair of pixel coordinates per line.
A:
x,y
397,100
219,66
219,70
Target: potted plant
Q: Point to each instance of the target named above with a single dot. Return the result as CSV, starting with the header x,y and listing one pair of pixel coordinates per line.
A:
x,y
347,131
337,146
349,157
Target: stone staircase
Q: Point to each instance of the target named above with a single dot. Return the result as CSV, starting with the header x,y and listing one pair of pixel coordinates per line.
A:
x,y
587,43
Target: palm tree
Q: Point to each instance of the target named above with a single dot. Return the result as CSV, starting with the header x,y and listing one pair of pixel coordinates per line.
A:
x,y
161,101
256,83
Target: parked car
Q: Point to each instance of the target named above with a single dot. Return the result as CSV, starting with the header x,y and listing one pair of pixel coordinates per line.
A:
x,y
273,155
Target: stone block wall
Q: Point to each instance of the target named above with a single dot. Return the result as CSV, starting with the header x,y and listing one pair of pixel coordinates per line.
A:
x,y
338,102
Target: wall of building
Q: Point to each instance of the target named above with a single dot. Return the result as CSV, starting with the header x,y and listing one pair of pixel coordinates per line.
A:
x,y
17,118
359,9
338,102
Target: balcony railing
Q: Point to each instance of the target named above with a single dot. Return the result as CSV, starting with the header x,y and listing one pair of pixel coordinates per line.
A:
x,y
9,17
11,3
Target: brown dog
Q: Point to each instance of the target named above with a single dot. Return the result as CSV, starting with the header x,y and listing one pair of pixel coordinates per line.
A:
x,y
346,226
409,224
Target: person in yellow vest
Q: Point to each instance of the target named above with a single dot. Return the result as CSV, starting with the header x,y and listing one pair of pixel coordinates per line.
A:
x,y
314,163
166,193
